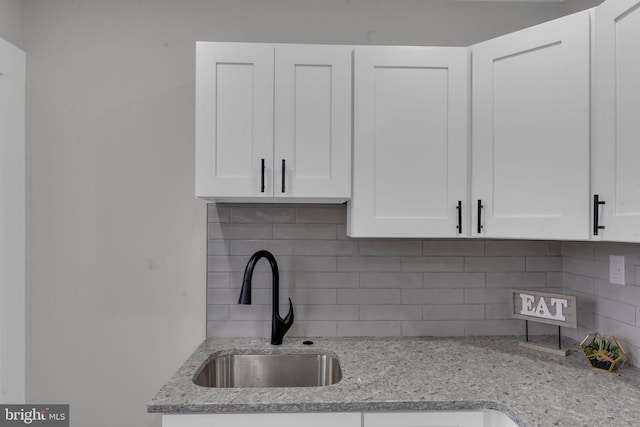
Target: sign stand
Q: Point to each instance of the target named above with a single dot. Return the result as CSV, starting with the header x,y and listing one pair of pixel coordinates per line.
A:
x,y
535,306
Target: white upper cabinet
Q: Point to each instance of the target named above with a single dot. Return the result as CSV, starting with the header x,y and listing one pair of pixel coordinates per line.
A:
x,y
530,132
410,142
234,119
313,121
616,121
273,121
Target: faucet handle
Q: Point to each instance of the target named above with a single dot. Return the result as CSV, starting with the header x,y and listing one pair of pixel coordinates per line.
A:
x,y
288,319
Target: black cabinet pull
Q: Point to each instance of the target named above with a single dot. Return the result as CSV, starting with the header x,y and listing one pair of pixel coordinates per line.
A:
x,y
480,216
459,208
262,177
596,214
283,175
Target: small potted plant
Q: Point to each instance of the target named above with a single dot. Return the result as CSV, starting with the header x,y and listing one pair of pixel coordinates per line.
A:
x,y
603,353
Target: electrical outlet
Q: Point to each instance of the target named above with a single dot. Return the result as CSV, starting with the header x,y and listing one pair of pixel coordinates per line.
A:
x,y
616,269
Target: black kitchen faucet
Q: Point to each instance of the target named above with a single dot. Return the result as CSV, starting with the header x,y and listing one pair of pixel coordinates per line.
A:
x,y
279,326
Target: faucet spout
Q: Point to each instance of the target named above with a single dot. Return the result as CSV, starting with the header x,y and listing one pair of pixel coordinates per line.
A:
x,y
279,326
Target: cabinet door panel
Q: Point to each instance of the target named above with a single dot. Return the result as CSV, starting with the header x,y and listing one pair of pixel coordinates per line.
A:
x,y
425,419
410,141
263,420
313,121
530,133
234,119
616,152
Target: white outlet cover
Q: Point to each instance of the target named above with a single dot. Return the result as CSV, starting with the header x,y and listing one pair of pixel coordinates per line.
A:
x,y
616,269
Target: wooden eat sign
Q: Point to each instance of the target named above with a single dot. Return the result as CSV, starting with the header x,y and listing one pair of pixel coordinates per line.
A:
x,y
544,307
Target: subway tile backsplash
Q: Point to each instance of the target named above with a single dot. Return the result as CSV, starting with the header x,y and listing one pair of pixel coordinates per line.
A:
x,y
404,287
604,307
376,287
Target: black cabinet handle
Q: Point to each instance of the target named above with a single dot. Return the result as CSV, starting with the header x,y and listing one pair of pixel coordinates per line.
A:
x,y
262,177
283,174
480,216
459,208
596,217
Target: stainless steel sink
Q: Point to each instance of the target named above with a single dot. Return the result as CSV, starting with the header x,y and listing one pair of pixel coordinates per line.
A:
x,y
232,370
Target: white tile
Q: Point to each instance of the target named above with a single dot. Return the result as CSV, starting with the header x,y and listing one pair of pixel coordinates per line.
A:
x,y
304,231
390,312
487,264
364,264
254,312
217,280
510,248
265,215
326,280
217,313
391,280
249,247
312,329
308,263
217,247
326,247
578,249
453,247
222,296
216,213
369,328
627,294
432,296
326,312
554,248
620,330
238,329
453,312
390,247
543,263
578,283
261,279
454,280
494,327
497,311
369,296
516,280
239,231
616,310
487,296
321,215
439,328
433,264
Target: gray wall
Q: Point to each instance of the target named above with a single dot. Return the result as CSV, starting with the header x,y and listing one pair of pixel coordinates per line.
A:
x,y
116,257
11,21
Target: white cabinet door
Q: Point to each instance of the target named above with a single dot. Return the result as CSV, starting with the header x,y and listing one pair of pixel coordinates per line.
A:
x,y
234,120
410,142
471,418
616,145
273,121
263,420
312,152
530,132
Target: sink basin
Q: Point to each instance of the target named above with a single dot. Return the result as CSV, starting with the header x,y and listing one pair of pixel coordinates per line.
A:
x,y
232,370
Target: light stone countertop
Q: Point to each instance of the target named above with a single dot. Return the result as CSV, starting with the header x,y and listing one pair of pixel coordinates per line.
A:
x,y
412,374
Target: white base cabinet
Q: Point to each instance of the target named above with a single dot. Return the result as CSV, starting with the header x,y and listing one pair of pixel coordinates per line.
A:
x,y
616,122
483,418
352,419
472,418
530,132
